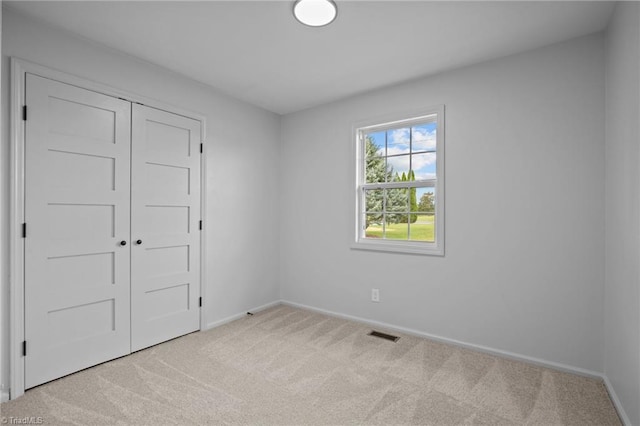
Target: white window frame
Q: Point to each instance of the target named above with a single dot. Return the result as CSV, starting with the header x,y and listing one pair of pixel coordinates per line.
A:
x,y
435,248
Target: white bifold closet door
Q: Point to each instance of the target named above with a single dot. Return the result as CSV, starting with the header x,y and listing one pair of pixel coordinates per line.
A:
x,y
165,217
77,208
112,238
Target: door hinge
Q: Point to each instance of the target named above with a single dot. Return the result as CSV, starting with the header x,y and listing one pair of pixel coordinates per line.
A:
x,y
24,230
201,225
24,113
200,302
24,348
201,148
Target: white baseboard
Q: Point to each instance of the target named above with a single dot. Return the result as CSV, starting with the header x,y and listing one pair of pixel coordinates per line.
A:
x,y
228,319
480,348
616,402
4,395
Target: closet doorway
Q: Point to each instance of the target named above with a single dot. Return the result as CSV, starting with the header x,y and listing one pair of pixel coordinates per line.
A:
x,y
112,227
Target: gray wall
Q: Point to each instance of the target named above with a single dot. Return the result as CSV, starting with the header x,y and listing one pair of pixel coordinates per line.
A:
x,y
622,285
524,264
242,163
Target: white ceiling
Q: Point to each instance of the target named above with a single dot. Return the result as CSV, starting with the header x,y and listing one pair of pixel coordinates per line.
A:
x,y
257,52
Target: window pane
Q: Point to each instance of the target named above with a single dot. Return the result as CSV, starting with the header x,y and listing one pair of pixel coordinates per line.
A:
x,y
375,162
398,141
373,226
397,200
375,144
396,218
396,229
374,200
398,166
426,198
376,170
424,165
423,227
423,137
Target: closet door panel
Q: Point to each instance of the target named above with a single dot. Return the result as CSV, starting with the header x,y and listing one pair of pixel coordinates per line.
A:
x,y
77,208
165,215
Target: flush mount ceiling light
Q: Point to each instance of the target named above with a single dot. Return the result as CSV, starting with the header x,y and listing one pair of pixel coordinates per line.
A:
x,y
315,13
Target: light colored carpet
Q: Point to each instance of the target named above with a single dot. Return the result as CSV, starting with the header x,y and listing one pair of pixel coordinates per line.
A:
x,y
291,366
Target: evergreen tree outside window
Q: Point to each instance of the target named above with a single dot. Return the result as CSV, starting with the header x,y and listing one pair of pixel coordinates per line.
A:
x,y
400,184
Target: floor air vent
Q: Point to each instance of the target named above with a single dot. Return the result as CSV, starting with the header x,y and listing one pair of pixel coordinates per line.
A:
x,y
384,336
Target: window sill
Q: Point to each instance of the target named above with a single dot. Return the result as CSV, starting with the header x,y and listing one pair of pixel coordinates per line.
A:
x,y
399,247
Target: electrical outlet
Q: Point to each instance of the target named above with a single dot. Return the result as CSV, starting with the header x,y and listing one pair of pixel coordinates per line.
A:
x,y
375,295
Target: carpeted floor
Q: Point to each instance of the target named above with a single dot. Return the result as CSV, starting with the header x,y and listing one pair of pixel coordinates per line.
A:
x,y
291,366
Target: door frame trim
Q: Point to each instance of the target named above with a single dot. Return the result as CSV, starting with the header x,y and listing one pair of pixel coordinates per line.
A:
x,y
19,69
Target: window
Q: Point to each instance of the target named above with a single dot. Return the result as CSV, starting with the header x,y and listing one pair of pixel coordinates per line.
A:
x,y
400,184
